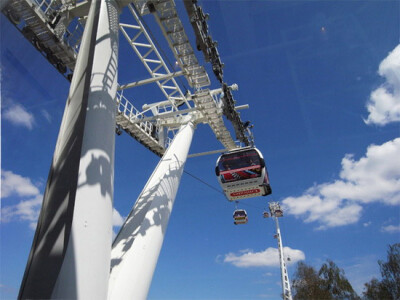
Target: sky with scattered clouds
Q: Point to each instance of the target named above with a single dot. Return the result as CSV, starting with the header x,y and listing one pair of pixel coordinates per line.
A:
x,y
384,104
267,258
19,116
375,177
323,83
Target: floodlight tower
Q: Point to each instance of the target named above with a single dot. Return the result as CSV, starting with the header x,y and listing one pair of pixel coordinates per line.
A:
x,y
276,212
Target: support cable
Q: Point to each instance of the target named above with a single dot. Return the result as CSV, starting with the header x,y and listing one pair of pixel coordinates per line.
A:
x,y
202,181
218,190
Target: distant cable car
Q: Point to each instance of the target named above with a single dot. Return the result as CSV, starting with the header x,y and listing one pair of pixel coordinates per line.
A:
x,y
242,174
240,217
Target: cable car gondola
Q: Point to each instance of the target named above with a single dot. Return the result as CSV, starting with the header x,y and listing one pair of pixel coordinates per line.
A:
x,y
240,217
242,174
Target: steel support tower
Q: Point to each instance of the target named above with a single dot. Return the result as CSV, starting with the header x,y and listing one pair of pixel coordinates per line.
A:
x,y
73,237
276,212
136,248
72,254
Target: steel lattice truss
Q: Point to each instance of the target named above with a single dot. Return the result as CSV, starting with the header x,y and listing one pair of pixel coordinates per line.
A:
x,y
55,28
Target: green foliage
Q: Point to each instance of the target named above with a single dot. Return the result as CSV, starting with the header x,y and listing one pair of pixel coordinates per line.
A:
x,y
329,283
335,282
389,287
307,284
375,290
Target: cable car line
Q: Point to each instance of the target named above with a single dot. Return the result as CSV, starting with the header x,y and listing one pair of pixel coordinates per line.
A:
x,y
202,181
247,204
218,190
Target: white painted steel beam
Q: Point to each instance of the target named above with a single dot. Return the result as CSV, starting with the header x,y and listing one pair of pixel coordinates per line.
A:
x,y
286,290
287,294
170,115
150,80
137,247
206,153
70,255
151,58
240,107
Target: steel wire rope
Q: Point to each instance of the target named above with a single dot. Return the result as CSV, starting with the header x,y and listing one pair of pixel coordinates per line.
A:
x,y
218,190
202,181
159,46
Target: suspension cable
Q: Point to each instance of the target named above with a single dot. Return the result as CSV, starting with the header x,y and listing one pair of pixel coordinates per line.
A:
x,y
202,181
218,190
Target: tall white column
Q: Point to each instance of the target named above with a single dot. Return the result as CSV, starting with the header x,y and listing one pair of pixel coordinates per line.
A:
x,y
70,255
286,291
137,247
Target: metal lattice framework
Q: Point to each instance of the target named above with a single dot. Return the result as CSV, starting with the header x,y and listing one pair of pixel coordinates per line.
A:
x,y
55,28
166,127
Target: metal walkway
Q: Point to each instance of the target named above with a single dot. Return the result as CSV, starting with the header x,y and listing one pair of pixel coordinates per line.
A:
x,y
55,28
44,28
172,28
211,109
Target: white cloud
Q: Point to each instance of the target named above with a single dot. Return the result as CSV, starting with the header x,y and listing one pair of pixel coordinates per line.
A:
x,y
366,224
384,103
16,184
46,115
373,178
117,219
391,228
26,210
19,116
267,258
117,222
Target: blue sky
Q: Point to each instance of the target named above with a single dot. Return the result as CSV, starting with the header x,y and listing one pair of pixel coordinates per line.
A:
x,y
322,79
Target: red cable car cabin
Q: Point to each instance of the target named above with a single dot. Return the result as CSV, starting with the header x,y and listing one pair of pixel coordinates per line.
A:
x,y
242,174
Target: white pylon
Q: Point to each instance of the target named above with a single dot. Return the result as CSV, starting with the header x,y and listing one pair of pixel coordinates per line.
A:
x,y
70,254
136,248
277,212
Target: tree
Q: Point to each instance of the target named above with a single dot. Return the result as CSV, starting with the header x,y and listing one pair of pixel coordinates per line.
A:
x,y
335,282
329,283
390,271
389,287
375,290
307,284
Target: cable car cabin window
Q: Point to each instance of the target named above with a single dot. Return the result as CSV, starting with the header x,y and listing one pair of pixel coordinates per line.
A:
x,y
240,166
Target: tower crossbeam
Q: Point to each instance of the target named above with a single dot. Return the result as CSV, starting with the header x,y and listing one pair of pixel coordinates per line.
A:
x,y
55,28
